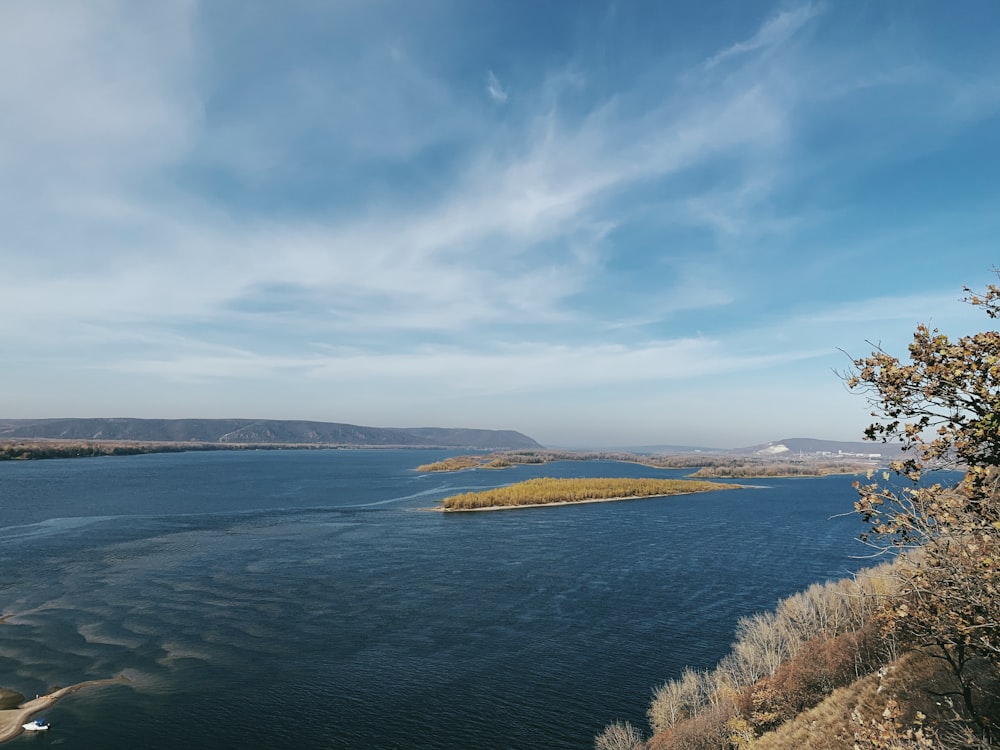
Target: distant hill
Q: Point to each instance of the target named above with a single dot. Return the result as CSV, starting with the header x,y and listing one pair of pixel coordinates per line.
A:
x,y
794,446
262,431
788,448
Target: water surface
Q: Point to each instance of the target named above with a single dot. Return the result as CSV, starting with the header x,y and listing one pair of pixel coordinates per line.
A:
x,y
301,598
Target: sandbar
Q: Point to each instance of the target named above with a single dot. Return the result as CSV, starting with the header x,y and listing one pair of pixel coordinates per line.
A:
x,y
11,719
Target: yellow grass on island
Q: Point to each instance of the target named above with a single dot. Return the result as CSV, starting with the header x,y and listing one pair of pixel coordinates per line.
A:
x,y
548,491
12,719
780,470
455,463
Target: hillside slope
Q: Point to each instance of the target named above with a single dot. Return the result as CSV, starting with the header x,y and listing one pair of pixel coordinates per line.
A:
x,y
812,446
263,431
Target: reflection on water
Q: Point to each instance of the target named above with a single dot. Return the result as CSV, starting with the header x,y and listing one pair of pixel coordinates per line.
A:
x,y
269,597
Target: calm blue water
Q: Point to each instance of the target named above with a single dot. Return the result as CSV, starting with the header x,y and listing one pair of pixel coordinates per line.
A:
x,y
301,599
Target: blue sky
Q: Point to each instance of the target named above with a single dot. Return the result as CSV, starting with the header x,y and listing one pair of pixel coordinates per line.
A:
x,y
598,223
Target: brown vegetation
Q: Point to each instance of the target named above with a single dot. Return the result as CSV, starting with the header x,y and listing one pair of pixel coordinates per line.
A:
x,y
781,663
742,469
904,705
547,491
25,450
29,450
459,463
501,460
455,463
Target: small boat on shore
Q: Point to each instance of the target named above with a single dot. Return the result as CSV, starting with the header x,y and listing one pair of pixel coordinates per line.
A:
x,y
38,725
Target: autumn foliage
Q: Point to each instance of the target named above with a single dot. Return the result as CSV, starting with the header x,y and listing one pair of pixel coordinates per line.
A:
x,y
944,406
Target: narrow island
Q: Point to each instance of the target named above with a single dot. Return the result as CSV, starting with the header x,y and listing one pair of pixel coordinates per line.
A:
x,y
459,463
547,491
702,465
12,719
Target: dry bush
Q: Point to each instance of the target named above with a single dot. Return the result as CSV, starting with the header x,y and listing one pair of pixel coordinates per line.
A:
x,y
763,642
837,607
887,732
709,730
680,699
915,683
781,663
767,640
826,726
821,666
620,735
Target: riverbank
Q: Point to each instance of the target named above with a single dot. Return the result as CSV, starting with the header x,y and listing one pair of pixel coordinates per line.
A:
x,y
11,719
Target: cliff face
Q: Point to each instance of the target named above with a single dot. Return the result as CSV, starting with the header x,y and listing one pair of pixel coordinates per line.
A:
x,y
269,431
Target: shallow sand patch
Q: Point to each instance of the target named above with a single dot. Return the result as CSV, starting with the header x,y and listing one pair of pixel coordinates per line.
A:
x,y
12,719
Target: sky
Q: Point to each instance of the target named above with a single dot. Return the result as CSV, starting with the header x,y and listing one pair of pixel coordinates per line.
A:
x,y
601,224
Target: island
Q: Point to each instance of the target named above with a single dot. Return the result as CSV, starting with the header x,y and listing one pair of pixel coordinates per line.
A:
x,y
547,491
12,719
702,465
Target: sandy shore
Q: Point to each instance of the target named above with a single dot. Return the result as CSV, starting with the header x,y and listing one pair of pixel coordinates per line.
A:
x,y
12,719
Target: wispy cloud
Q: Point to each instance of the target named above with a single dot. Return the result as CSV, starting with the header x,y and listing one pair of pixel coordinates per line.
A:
x,y
174,211
498,370
494,89
778,29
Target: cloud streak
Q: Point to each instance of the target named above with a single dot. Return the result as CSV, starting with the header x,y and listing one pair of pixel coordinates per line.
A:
x,y
774,32
494,89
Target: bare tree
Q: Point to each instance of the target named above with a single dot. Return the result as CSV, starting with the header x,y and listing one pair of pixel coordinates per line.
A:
x,y
619,735
679,699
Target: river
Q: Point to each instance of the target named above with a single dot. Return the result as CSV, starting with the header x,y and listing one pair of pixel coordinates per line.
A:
x,y
267,599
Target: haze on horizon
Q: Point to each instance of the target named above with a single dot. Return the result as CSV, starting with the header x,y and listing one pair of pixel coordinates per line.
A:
x,y
597,223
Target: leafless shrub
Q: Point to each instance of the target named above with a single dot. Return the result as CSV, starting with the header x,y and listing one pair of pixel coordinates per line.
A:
x,y
679,699
619,735
709,730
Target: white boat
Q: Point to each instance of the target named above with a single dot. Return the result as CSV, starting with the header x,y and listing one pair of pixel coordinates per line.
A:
x,y
38,725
